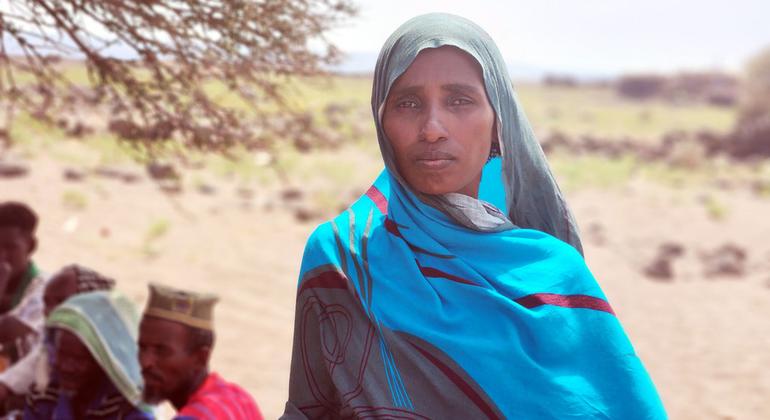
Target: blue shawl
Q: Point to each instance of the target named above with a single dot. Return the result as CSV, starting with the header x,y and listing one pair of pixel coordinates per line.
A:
x,y
406,308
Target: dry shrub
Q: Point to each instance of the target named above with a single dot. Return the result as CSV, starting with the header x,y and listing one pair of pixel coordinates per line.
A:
x,y
751,136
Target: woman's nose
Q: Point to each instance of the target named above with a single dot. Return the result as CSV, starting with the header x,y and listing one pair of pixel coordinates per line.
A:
x,y
433,128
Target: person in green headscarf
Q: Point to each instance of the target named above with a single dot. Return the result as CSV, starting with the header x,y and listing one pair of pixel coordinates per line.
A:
x,y
31,372
97,375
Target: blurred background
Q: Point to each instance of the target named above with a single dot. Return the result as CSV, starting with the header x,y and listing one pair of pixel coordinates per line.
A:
x,y
183,154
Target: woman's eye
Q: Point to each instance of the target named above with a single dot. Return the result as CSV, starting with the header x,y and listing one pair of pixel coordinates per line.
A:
x,y
460,101
407,104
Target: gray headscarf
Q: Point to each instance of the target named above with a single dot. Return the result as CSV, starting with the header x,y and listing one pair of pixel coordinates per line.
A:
x,y
533,199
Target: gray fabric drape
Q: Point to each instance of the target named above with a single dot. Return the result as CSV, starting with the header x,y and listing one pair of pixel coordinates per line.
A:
x,y
533,199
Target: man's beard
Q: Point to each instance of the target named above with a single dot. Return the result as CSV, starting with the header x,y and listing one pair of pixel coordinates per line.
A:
x,y
153,396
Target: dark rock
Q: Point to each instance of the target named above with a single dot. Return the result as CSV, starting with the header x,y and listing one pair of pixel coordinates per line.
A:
x,y
79,130
129,130
291,194
304,214
13,170
729,260
116,173
661,267
162,171
74,175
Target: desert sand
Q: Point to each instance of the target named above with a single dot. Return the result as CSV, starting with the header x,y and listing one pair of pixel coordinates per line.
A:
x,y
705,339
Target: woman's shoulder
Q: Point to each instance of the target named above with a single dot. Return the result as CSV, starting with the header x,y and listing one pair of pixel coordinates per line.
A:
x,y
372,202
323,233
326,243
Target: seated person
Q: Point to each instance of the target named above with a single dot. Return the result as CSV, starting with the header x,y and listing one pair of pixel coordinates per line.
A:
x,y
176,338
96,373
21,288
73,279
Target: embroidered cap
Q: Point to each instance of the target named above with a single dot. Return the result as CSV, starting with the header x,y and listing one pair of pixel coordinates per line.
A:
x,y
189,308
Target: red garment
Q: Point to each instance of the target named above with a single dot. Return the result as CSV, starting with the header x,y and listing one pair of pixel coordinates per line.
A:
x,y
218,399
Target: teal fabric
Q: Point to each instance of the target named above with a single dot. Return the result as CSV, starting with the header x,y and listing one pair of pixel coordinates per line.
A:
x,y
518,312
107,323
533,199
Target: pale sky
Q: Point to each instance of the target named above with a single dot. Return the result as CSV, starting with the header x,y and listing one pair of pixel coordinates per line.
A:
x,y
601,37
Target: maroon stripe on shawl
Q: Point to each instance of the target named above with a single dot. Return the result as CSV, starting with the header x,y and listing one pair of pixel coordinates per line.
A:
x,y
565,301
327,280
378,198
392,227
464,386
435,272
386,413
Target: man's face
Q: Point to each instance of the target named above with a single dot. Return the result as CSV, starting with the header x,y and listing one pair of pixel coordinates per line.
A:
x,y
74,364
168,365
16,249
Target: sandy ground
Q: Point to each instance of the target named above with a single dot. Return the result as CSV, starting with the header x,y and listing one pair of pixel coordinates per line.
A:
x,y
705,341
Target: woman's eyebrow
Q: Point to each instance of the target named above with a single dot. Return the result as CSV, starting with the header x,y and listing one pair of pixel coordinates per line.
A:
x,y
461,88
407,90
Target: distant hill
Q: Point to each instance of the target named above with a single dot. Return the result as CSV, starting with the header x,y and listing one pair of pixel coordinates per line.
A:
x,y
362,63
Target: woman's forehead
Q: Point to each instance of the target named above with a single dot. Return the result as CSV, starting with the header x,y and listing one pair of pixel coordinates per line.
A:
x,y
446,63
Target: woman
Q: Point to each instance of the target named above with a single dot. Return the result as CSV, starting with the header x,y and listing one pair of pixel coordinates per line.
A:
x,y
96,370
424,299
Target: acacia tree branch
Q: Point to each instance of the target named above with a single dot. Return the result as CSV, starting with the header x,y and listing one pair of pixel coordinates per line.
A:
x,y
184,58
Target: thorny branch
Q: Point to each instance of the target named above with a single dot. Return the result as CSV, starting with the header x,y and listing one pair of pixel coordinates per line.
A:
x,y
176,58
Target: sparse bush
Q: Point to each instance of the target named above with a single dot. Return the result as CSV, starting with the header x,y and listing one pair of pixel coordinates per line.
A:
x,y
640,86
74,200
155,232
715,209
755,102
751,136
559,80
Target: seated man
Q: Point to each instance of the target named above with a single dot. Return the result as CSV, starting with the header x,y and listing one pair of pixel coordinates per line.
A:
x,y
175,341
21,286
96,373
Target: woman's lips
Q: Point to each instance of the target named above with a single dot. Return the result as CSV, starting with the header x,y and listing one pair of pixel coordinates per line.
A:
x,y
434,160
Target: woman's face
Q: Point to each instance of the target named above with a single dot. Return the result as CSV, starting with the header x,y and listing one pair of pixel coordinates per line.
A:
x,y
439,122
74,363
